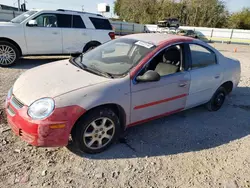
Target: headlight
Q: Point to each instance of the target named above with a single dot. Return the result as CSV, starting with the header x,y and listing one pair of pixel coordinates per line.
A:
x,y
41,108
10,93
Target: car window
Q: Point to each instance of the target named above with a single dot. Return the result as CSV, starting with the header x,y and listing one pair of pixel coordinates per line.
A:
x,y
64,20
46,20
120,49
78,22
116,57
201,57
100,23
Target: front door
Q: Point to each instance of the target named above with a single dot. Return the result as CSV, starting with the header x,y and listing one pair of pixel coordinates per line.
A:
x,y
46,37
206,75
151,100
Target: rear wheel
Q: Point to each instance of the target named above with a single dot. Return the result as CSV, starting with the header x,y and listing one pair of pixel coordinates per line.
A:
x,y
96,131
217,100
90,46
9,54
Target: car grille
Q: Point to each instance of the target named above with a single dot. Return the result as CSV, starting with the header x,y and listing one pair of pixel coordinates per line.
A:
x,y
10,111
16,103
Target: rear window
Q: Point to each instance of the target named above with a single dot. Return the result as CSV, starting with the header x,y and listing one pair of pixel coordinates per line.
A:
x,y
101,23
77,22
64,20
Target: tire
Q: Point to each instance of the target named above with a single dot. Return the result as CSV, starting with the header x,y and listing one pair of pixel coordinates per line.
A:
x,y
9,54
87,135
90,46
217,100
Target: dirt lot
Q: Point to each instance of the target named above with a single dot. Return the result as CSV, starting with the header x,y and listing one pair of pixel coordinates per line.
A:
x,y
195,148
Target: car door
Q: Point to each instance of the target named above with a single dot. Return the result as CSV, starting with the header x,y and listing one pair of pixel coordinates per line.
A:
x,y
206,75
150,100
45,37
74,33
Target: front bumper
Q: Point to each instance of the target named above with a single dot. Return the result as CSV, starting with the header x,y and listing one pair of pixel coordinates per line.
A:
x,y
51,132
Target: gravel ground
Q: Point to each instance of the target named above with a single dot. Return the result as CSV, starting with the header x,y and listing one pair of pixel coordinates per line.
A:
x,y
195,148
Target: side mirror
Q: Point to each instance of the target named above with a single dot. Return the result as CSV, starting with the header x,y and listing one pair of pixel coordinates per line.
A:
x,y
149,76
32,23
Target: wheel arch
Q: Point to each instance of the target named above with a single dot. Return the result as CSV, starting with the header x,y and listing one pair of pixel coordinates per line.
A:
x,y
90,43
228,85
118,110
12,42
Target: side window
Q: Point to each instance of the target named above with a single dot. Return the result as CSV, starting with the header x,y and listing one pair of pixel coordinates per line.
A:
x,y
168,62
78,22
201,57
64,20
100,23
47,20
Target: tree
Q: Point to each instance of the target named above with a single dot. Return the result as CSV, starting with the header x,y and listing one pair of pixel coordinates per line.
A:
x,y
240,20
207,13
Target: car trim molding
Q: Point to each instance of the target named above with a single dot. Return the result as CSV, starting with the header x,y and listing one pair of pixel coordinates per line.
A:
x,y
155,117
159,102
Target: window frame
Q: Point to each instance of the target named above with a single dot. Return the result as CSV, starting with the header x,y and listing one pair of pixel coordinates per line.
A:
x,y
44,13
184,58
190,60
72,25
101,18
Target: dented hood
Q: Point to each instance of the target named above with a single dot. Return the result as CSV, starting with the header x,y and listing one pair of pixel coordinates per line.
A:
x,y
52,80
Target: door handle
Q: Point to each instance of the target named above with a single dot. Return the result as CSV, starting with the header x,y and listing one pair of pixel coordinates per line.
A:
x,y
55,33
217,76
182,84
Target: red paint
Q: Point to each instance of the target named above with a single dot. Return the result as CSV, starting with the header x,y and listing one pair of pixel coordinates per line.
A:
x,y
163,44
155,117
159,102
38,132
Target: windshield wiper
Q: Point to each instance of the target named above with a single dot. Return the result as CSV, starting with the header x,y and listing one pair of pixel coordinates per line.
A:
x,y
106,74
79,65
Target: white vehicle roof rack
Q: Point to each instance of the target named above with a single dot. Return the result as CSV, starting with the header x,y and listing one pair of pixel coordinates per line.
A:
x,y
63,10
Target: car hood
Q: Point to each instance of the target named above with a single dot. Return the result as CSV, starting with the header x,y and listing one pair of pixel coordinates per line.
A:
x,y
52,80
8,24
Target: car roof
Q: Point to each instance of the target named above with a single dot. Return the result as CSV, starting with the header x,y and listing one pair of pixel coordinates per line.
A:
x,y
71,12
157,38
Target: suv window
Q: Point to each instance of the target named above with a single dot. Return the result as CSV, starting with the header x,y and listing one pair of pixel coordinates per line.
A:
x,y
201,57
64,20
46,20
77,22
101,23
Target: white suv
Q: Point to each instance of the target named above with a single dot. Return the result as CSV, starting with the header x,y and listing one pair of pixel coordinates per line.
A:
x,y
43,32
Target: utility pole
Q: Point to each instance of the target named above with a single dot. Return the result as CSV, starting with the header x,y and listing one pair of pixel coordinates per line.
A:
x,y
18,2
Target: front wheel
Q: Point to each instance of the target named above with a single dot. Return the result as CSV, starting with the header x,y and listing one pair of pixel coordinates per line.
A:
x,y
217,100
9,54
96,131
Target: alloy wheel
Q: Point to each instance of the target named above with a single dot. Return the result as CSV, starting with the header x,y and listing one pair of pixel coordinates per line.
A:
x,y
99,133
7,55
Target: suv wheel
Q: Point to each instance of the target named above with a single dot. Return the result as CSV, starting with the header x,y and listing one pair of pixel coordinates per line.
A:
x,y
96,131
8,54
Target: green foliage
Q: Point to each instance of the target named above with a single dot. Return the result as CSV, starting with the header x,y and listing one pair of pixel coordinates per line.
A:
x,y
240,20
205,13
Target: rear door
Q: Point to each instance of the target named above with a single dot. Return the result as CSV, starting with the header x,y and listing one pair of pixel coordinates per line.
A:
x,y
74,33
206,75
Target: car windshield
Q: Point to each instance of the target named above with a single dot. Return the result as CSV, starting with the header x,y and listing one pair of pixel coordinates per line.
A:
x,y
23,17
115,57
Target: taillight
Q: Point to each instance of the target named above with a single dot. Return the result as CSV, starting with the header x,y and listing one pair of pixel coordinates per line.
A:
x,y
112,35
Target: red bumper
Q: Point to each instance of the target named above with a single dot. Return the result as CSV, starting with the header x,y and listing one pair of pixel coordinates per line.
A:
x,y
51,132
